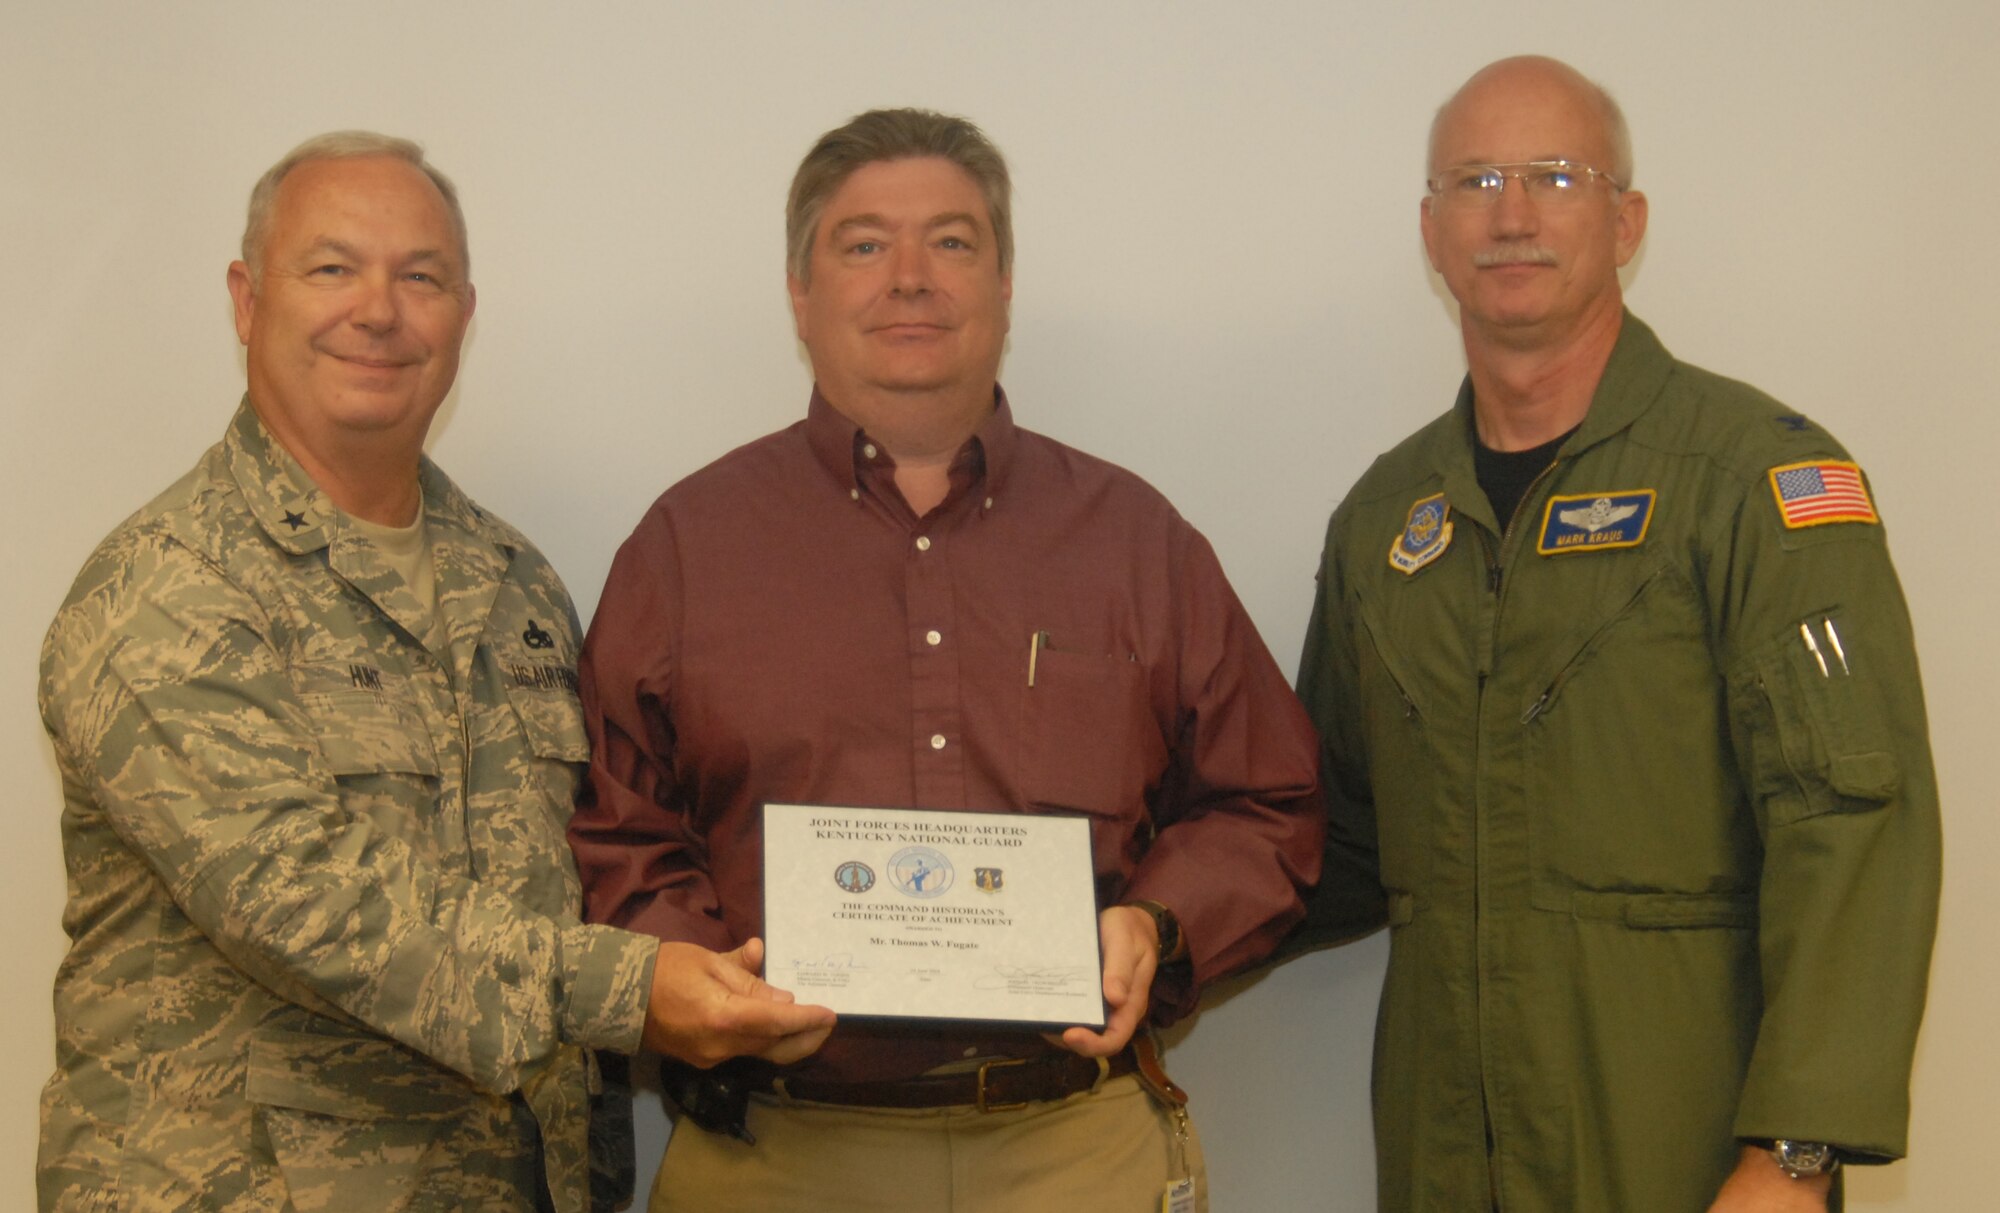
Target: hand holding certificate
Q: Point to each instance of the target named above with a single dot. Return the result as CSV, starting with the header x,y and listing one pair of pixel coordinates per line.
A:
x,y
933,915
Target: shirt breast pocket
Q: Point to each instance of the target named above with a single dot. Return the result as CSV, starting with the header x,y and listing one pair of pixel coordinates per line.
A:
x,y
1089,739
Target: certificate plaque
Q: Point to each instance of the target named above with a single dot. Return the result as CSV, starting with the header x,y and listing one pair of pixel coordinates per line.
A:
x,y
914,914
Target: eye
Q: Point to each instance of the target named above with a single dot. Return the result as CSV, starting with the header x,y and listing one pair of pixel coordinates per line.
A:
x,y
1555,180
955,242
327,271
1474,182
864,247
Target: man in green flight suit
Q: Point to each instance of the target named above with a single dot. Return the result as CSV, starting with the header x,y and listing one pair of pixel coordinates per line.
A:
x,y
1624,737
317,721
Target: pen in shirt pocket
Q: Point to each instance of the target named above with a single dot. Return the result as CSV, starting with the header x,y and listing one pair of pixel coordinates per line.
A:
x,y
1036,640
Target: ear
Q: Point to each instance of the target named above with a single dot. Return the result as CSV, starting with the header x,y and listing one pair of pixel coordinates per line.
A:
x,y
797,290
1631,223
243,294
1427,224
471,302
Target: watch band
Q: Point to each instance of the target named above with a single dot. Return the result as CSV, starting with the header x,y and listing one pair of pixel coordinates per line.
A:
x,y
1168,927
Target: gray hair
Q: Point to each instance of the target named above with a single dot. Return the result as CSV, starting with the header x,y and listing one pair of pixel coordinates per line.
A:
x,y
893,134
340,145
1616,132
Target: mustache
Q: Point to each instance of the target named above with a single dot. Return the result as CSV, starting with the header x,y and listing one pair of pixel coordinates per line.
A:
x,y
1517,253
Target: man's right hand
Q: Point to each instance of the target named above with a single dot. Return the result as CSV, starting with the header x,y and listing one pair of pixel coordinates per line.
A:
x,y
708,1007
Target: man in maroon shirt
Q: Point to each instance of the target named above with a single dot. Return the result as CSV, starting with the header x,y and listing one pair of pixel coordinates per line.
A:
x,y
843,613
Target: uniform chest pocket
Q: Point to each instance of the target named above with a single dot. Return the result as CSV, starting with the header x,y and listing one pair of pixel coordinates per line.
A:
x,y
1089,740
365,733
1624,750
1397,731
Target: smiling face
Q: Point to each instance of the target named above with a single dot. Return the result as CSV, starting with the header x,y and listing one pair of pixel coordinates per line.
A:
x,y
1526,274
355,322
906,297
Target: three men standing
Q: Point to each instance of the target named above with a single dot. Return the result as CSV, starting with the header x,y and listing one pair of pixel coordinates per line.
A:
x,y
1620,707
906,600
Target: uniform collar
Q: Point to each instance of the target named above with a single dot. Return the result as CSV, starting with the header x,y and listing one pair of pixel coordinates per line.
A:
x,y
300,518
1632,380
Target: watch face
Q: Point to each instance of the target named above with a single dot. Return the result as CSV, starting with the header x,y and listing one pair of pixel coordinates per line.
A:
x,y
1800,1158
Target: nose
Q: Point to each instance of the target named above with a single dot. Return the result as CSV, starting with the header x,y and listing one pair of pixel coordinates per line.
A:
x,y
375,304
911,267
1514,212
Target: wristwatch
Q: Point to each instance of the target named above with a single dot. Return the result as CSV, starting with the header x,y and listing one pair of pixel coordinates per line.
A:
x,y
1802,1159
1168,926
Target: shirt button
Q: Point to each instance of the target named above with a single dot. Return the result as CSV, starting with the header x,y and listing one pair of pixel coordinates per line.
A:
x,y
923,543
868,450
989,503
854,494
937,741
933,637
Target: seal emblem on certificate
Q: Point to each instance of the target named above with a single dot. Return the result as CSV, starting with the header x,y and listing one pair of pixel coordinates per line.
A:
x,y
924,941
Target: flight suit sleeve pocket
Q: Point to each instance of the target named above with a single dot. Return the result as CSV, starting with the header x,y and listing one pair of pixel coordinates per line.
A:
x,y
1810,734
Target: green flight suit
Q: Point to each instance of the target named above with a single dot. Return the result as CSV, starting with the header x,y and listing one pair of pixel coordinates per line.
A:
x,y
1656,881
325,947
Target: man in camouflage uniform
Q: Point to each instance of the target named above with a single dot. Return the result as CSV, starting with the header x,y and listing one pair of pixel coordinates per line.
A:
x,y
317,723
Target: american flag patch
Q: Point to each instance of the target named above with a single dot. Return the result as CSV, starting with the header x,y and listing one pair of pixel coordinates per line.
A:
x,y
1825,490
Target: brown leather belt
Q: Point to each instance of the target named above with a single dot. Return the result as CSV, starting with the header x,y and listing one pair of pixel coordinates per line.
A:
x,y
996,1086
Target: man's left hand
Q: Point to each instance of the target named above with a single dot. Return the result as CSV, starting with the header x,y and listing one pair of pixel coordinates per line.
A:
x,y
1131,945
1758,1185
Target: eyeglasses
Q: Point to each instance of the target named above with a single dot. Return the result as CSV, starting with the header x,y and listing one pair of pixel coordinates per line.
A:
x,y
1552,183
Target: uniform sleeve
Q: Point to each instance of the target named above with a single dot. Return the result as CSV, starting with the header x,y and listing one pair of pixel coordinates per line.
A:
x,y
1349,901
167,700
1826,715
1239,817
644,866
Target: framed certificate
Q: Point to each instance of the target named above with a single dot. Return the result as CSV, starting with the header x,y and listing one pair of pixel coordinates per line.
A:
x,y
914,914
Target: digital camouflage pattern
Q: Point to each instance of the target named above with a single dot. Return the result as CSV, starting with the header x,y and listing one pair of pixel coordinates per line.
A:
x,y
323,917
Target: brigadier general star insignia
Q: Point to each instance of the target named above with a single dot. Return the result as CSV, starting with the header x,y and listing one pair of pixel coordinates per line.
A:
x,y
1426,534
294,519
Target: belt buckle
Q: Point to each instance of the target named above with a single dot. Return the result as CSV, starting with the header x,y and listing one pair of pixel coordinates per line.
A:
x,y
979,1090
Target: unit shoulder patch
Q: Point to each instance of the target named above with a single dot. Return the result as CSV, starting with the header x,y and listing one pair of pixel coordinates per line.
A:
x,y
1426,534
1820,491
1596,522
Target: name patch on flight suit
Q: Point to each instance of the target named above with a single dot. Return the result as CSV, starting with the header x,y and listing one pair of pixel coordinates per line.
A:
x,y
1426,534
1596,522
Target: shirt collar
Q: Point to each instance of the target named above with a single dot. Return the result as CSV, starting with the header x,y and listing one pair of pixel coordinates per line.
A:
x,y
838,444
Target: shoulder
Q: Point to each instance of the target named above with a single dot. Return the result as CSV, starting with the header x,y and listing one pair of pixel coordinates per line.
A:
x,y
1043,464
1733,425
1398,477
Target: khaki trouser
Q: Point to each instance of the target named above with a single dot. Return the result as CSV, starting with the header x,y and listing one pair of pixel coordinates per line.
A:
x,y
1112,1151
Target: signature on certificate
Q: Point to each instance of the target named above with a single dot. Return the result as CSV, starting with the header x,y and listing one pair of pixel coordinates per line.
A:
x,y
1033,979
832,960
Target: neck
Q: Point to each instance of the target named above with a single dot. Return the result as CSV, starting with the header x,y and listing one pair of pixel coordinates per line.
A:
x,y
371,476
1527,393
921,431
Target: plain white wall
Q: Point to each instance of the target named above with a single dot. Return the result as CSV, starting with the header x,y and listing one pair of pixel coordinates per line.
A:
x,y
1220,285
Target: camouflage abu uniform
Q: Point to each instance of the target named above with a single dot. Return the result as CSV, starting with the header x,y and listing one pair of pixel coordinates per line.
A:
x,y
322,912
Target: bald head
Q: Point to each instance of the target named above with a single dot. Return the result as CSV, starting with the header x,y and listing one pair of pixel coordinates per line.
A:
x,y
1481,111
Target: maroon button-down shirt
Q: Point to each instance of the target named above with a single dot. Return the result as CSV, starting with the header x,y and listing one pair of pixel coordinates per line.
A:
x,y
782,628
